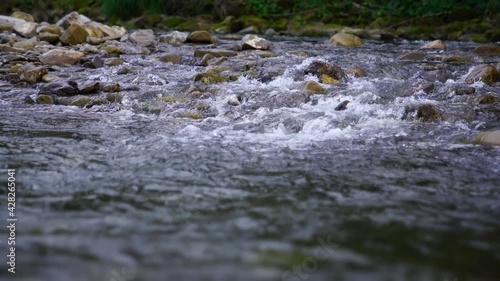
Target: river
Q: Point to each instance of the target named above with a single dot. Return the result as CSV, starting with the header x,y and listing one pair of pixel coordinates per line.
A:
x,y
262,182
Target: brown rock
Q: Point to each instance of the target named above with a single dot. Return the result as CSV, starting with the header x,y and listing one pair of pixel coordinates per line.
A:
x,y
170,57
75,34
487,99
465,91
428,112
200,36
54,29
49,37
327,73
206,58
313,87
342,106
484,72
89,88
345,39
5,27
436,44
44,99
93,31
61,57
22,15
110,87
487,50
417,55
455,59
27,45
31,74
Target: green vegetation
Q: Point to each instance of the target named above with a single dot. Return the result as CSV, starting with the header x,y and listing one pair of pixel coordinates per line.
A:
x,y
265,8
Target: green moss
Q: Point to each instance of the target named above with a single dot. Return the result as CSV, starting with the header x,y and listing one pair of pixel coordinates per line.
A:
x,y
173,21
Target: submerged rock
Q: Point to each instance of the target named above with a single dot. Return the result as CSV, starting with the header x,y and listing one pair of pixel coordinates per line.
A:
x,y
327,73
436,44
486,73
61,57
489,138
170,57
428,112
465,91
342,106
210,77
251,41
345,39
356,71
487,99
487,50
44,99
417,55
313,87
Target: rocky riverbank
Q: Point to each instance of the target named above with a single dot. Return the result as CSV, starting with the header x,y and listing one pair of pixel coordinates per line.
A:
x,y
38,56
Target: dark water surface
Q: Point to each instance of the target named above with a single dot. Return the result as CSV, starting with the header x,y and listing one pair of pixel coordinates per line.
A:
x,y
274,188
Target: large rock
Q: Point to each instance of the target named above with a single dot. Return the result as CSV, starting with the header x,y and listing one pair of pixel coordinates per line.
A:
x,y
489,138
345,39
251,41
72,18
487,50
31,74
61,57
436,44
200,36
428,113
145,37
327,73
75,34
26,29
484,72
5,20
174,37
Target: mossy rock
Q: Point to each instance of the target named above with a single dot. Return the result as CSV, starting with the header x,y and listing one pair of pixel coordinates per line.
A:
x,y
172,22
251,20
193,25
210,78
172,99
493,35
382,22
280,24
193,115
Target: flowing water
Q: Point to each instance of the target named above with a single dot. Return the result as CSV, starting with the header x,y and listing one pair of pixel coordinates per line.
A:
x,y
263,182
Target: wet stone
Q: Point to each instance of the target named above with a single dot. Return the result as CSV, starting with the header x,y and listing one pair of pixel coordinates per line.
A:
x,y
145,37
75,34
313,87
202,37
251,41
428,112
485,73
487,99
89,88
215,53
110,87
32,74
327,73
416,56
170,57
44,99
61,57
59,88
465,91
113,61
342,106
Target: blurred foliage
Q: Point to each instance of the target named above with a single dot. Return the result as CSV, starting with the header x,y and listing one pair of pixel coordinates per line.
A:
x,y
322,9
